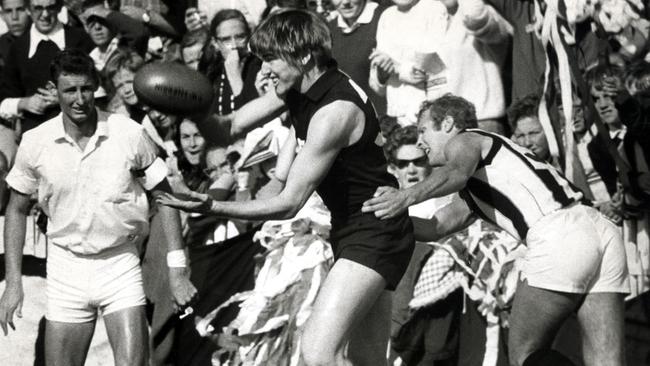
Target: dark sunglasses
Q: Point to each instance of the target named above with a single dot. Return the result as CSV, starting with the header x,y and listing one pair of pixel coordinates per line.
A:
x,y
420,162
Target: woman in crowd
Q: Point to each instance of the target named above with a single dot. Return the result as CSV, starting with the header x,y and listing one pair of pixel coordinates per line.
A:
x,y
227,62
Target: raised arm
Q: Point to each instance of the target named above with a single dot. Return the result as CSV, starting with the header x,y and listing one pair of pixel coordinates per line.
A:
x,y
450,219
223,129
330,130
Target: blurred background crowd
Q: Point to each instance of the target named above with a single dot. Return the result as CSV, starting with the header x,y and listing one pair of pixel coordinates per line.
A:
x,y
451,307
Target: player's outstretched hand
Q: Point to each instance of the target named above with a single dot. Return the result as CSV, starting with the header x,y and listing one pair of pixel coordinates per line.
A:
x,y
11,301
387,203
183,291
195,203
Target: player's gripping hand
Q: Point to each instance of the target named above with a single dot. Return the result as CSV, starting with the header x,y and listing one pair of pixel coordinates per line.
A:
x,y
387,203
10,303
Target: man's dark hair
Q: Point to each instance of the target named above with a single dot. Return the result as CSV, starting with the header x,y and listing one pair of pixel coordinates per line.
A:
x,y
399,137
291,35
460,109
522,108
73,61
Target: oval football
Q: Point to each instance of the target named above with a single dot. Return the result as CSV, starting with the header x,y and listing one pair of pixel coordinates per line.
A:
x,y
173,88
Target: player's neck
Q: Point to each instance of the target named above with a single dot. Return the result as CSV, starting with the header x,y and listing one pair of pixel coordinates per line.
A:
x,y
310,77
79,131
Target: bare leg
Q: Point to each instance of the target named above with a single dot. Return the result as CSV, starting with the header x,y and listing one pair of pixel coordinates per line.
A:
x,y
537,315
128,336
601,319
66,344
369,337
348,295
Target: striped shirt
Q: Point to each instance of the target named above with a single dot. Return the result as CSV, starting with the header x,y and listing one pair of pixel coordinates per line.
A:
x,y
512,188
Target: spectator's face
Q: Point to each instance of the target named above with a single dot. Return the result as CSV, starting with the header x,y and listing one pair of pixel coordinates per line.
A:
x,y
161,121
405,4
192,142
14,13
123,81
605,106
216,162
44,15
231,35
529,134
431,140
349,9
76,98
191,55
99,33
283,75
411,165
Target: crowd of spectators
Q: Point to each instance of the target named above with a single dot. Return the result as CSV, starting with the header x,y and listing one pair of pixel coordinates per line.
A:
x,y
401,53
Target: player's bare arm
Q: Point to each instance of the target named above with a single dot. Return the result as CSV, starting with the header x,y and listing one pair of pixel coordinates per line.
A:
x,y
332,128
14,238
183,291
462,154
253,114
449,219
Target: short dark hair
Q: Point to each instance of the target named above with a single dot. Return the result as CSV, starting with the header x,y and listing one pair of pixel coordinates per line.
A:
x,y
460,109
399,137
527,106
291,35
73,61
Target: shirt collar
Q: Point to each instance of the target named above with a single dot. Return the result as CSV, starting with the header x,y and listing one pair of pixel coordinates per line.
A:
x,y
620,133
324,83
364,18
35,37
102,126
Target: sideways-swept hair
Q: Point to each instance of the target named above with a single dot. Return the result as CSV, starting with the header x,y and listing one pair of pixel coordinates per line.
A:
x,y
460,109
291,35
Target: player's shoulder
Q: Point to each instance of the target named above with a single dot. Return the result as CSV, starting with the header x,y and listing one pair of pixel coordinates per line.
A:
x,y
121,125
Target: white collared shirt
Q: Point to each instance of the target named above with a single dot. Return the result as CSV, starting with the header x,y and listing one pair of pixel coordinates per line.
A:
x,y
95,198
364,18
35,37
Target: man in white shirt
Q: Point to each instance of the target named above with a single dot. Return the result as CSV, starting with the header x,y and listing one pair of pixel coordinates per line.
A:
x,y
90,170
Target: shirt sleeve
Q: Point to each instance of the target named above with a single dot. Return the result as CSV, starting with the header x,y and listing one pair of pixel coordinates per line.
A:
x,y
23,177
145,160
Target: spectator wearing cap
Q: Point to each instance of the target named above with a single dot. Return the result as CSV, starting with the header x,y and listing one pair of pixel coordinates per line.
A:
x,y
353,40
24,87
109,29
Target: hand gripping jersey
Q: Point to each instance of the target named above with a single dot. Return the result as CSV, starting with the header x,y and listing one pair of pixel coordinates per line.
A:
x,y
359,168
512,188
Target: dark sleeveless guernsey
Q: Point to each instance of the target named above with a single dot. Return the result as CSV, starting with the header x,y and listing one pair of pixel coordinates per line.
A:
x,y
359,169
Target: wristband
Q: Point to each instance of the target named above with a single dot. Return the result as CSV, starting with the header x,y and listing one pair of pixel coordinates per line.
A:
x,y
176,259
